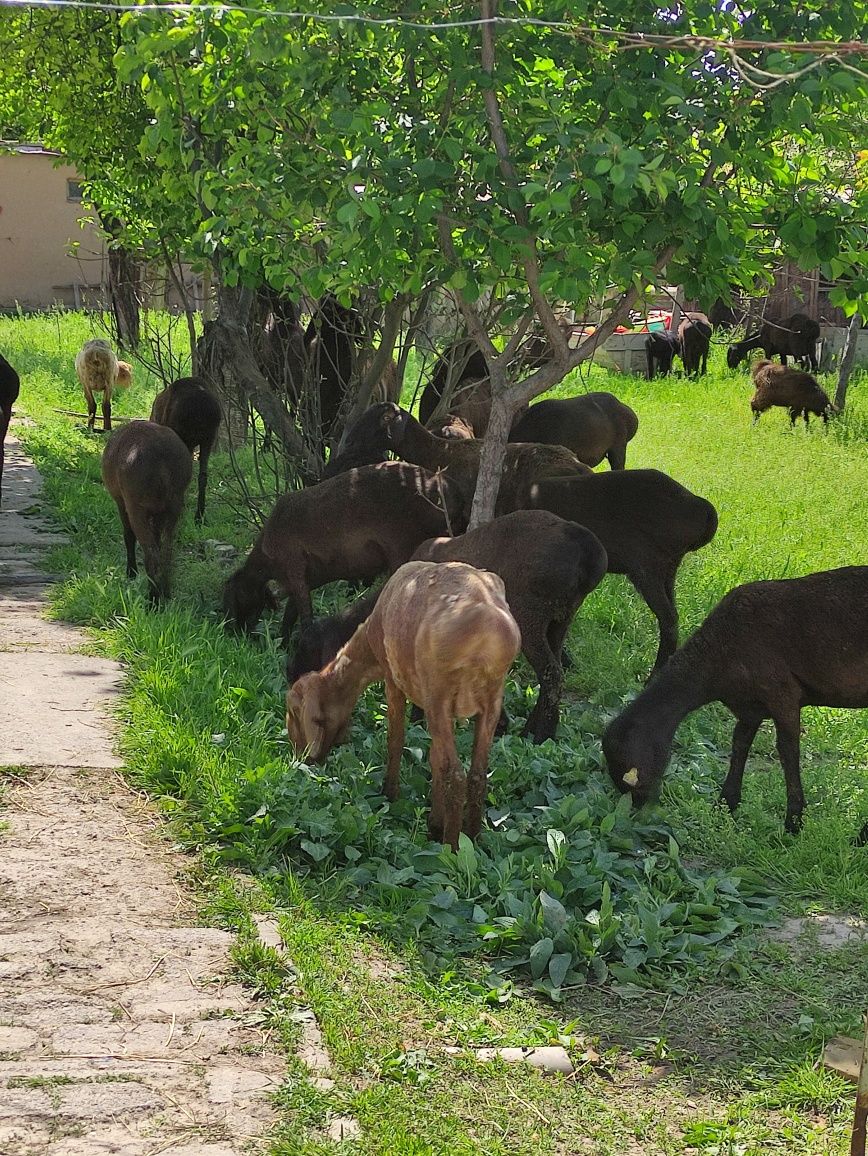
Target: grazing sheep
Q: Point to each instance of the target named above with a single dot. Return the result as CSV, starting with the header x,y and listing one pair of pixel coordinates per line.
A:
x,y
646,522
389,427
460,364
10,384
794,389
694,335
548,566
593,426
795,337
442,636
661,349
99,371
146,468
766,650
354,526
190,408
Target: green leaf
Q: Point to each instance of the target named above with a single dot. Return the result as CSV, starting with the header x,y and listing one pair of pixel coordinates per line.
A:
x,y
540,954
554,913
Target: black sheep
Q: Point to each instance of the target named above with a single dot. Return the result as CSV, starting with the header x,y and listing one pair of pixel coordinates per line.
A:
x,y
10,384
593,425
766,650
331,340
190,408
694,334
661,349
795,337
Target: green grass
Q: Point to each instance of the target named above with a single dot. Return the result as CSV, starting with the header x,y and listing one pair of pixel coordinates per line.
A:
x,y
707,1040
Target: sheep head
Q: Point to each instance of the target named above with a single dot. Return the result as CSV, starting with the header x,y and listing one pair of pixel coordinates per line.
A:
x,y
636,756
315,721
734,356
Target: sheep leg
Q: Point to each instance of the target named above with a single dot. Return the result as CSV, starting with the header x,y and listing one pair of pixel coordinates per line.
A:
x,y
477,780
107,410
91,407
204,455
129,539
742,739
395,703
657,587
5,416
448,797
542,652
617,456
787,730
298,606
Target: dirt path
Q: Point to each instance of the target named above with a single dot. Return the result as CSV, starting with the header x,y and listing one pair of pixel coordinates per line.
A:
x,y
119,1030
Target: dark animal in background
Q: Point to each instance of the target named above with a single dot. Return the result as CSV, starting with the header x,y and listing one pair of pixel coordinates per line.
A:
x,y
646,522
795,337
694,335
331,339
766,650
461,363
442,636
451,426
355,527
320,639
549,567
10,384
279,343
387,426
661,349
594,426
146,468
99,371
793,389
190,408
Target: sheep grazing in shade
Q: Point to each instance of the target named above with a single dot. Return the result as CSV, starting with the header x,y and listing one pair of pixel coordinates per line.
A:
x,y
795,390
190,408
10,384
354,527
795,337
549,567
767,650
443,637
593,426
389,427
661,349
694,335
99,371
146,468
646,522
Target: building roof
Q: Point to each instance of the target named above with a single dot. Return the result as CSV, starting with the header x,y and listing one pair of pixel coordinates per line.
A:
x,y
13,146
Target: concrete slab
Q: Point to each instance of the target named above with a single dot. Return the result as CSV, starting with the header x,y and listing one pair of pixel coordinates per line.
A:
x,y
25,532
22,626
50,707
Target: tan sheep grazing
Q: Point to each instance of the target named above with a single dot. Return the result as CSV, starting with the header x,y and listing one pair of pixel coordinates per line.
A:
x,y
794,389
441,634
99,371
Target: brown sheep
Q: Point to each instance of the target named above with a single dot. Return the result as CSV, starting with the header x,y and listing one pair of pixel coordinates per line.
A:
x,y
694,336
146,468
765,651
442,636
594,426
797,391
190,408
99,371
354,527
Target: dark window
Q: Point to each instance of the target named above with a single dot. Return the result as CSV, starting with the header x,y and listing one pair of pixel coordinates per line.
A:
x,y
73,191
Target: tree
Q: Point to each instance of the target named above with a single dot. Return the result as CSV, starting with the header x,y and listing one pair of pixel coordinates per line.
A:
x,y
513,164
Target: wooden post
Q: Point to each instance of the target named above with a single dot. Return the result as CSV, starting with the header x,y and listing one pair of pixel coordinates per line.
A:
x,y
848,360
860,1120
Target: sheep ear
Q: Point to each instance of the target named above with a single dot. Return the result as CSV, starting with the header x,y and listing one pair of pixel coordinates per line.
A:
x,y
631,778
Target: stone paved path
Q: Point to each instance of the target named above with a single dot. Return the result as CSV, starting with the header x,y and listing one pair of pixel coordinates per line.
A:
x,y
119,1029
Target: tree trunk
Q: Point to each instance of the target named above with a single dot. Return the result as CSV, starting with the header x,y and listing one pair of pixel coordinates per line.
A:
x,y
493,453
123,284
848,360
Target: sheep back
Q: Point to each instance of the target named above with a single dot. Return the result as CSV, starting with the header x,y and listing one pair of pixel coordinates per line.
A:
x,y
589,425
188,407
779,385
96,366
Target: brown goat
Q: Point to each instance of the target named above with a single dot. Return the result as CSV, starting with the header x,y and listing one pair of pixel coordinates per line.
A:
x,y
190,408
146,468
388,426
594,426
442,636
795,390
99,371
355,526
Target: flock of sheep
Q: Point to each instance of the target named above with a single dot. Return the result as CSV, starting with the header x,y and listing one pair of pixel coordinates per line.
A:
x,y
458,607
